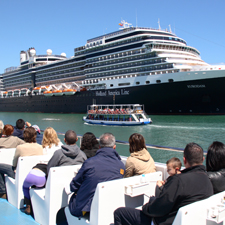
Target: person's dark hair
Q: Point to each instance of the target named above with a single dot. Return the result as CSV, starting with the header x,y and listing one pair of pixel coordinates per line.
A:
x,y
30,135
107,140
88,141
193,153
175,162
20,123
215,159
70,137
8,130
137,142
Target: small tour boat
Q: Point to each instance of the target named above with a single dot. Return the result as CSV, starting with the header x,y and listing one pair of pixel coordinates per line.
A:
x,y
117,115
69,91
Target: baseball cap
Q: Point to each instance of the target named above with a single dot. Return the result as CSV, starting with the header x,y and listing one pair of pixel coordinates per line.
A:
x,y
36,127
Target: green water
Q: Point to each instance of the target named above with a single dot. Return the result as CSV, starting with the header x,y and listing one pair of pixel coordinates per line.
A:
x,y
172,131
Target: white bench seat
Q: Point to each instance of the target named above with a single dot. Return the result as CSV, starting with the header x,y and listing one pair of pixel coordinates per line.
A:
x,y
46,202
14,187
111,195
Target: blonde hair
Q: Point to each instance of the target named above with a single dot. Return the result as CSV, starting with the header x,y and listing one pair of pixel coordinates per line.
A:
x,y
1,126
50,137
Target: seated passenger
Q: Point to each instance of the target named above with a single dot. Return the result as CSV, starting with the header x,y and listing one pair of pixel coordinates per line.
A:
x,y
50,142
89,144
28,149
215,166
68,154
39,135
105,165
173,167
7,140
1,127
182,189
19,128
140,160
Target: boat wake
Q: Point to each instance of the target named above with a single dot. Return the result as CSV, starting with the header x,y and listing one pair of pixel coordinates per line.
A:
x,y
188,128
50,119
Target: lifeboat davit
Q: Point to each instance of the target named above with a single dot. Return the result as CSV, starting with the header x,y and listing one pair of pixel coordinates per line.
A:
x,y
16,92
24,91
48,93
69,91
10,93
57,92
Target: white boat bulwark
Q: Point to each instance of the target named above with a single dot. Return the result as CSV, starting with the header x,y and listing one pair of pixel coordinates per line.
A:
x,y
117,115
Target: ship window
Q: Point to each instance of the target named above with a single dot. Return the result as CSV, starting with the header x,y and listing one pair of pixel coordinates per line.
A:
x,y
158,81
170,80
147,82
137,82
111,85
123,84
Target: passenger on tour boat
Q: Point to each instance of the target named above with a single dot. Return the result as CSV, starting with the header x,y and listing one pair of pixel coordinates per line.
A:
x,y
19,128
89,144
182,189
140,160
1,127
9,141
68,154
29,148
50,142
39,135
105,165
215,166
173,167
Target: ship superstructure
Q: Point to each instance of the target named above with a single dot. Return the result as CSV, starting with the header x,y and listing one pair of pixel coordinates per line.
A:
x,y
114,65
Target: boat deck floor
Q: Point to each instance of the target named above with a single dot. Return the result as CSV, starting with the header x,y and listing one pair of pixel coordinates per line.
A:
x,y
9,214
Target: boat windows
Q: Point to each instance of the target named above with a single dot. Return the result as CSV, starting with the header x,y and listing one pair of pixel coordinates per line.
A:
x,y
137,82
111,85
147,82
123,84
170,80
158,81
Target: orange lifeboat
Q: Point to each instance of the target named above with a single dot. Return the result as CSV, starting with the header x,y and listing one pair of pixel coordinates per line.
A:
x,y
83,89
5,93
48,93
57,92
69,91
36,89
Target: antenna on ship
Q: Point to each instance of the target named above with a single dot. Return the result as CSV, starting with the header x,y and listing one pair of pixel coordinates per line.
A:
x,y
159,24
136,19
170,28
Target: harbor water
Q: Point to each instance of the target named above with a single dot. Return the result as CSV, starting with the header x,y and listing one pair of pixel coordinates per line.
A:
x,y
168,131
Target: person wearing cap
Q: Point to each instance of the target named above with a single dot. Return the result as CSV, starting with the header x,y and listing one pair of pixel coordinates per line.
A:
x,y
39,137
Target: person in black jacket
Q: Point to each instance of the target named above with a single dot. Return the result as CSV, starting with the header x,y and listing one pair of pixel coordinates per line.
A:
x,y
182,189
215,166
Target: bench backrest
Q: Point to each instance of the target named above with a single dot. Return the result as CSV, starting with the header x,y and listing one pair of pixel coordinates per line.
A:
x,y
111,194
7,155
196,213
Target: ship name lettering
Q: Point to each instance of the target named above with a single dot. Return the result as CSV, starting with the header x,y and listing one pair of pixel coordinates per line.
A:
x,y
113,93
101,93
196,86
124,92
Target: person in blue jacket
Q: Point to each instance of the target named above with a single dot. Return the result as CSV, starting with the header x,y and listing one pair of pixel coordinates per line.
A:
x,y
104,166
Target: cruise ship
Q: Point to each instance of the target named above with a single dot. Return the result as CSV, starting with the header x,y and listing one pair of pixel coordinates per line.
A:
x,y
152,67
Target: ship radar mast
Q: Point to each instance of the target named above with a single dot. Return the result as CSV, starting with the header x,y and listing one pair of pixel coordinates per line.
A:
x,y
124,25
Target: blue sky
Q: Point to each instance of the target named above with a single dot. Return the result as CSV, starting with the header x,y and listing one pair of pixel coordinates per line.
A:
x,y
65,25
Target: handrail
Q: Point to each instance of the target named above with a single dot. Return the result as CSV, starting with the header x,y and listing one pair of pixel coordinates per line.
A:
x,y
159,147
